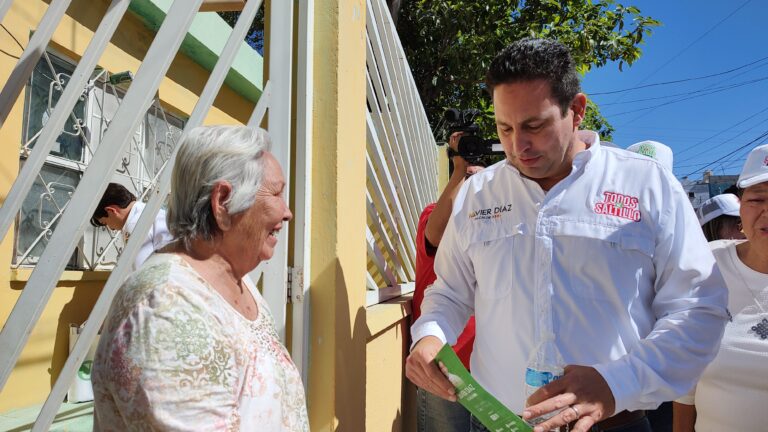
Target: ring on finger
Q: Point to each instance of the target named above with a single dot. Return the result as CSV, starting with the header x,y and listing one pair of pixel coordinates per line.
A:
x,y
575,411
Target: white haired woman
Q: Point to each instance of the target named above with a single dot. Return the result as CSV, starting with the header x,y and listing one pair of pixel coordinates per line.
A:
x,y
732,393
189,343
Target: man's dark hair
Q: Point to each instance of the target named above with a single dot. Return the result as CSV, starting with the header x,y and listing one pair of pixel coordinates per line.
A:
x,y
117,195
533,59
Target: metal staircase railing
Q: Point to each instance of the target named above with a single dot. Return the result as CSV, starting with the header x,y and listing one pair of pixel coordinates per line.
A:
x,y
401,160
277,100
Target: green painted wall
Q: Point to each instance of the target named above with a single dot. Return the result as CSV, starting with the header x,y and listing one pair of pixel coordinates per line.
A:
x,y
203,43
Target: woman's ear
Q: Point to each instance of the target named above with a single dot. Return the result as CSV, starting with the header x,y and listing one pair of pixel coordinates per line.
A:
x,y
220,195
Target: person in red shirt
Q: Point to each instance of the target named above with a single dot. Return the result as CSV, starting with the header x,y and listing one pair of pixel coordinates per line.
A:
x,y
436,414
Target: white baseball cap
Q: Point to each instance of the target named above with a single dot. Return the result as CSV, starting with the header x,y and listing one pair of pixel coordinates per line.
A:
x,y
755,168
719,205
654,150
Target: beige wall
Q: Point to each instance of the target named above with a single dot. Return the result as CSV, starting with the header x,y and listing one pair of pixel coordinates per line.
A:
x,y
76,293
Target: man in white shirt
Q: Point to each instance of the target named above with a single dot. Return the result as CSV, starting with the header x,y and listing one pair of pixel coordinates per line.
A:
x,y
118,210
595,247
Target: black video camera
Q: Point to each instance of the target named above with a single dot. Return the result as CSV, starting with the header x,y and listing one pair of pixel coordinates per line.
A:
x,y
472,146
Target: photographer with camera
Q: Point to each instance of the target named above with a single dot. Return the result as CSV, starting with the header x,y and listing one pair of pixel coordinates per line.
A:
x,y
436,414
594,293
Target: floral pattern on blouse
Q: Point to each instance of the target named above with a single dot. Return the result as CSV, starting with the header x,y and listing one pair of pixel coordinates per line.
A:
x,y
174,355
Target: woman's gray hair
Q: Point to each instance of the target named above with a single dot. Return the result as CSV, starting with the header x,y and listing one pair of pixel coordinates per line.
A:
x,y
207,155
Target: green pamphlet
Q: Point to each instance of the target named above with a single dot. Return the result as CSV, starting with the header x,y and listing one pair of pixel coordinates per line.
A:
x,y
486,408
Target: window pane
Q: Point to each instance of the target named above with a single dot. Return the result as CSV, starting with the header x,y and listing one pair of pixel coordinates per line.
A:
x,y
163,133
40,211
42,95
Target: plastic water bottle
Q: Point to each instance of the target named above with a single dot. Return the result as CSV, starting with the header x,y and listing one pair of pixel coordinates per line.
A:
x,y
544,366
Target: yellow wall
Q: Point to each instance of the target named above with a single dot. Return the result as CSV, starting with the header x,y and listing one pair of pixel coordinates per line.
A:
x,y
74,296
390,398
357,354
336,395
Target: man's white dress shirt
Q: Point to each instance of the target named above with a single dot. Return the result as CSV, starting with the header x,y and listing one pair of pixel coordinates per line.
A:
x,y
157,237
611,260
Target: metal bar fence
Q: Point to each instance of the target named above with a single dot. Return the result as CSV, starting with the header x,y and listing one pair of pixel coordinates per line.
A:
x,y
302,223
101,308
386,33
401,162
54,258
275,271
28,59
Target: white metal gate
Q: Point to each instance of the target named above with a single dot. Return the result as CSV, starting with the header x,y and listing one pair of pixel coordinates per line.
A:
x,y
277,98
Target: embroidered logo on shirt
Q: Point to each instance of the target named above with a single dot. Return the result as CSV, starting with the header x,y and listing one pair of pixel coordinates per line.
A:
x,y
616,204
647,150
489,213
765,161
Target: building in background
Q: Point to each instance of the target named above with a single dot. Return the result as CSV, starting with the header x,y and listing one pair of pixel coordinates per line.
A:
x,y
710,185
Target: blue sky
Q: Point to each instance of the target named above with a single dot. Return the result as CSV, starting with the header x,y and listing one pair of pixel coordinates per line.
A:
x,y
696,38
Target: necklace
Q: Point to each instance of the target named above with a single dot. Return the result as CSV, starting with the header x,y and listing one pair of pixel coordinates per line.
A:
x,y
761,328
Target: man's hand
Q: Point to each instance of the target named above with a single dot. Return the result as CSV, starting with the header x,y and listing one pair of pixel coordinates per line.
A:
x,y
421,369
459,164
582,392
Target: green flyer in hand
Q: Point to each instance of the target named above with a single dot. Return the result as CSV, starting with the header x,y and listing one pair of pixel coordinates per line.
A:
x,y
486,408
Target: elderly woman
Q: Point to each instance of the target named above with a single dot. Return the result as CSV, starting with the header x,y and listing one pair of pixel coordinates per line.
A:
x,y
189,343
732,394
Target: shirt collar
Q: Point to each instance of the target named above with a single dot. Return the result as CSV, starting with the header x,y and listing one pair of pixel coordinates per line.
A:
x,y
591,138
593,148
133,217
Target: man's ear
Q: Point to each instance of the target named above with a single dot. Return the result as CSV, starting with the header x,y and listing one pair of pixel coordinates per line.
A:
x,y
112,210
579,108
220,195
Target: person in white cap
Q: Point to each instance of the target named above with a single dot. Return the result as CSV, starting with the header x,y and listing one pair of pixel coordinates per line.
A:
x,y
719,218
732,394
654,150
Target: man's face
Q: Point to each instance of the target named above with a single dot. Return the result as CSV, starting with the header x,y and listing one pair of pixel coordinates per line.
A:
x,y
115,219
537,139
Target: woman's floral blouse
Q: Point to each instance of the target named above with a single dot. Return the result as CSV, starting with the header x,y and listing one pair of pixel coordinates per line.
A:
x,y
174,355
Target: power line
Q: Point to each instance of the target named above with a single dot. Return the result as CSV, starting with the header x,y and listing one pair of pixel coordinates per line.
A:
x,y
17,43
723,165
724,88
761,136
676,81
729,78
735,159
688,93
677,55
12,36
724,131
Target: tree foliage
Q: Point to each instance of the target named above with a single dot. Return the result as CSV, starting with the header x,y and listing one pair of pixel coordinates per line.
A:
x,y
255,36
450,43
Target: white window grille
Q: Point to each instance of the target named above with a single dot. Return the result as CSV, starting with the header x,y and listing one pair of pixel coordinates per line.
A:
x,y
151,145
